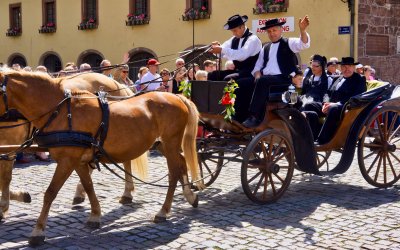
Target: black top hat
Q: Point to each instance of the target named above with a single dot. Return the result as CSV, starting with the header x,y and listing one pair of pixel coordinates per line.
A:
x,y
273,22
348,61
235,21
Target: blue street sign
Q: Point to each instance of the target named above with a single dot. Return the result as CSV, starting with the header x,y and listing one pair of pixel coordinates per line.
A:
x,y
344,30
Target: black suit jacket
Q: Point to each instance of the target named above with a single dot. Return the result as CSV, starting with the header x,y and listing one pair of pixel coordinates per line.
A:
x,y
352,86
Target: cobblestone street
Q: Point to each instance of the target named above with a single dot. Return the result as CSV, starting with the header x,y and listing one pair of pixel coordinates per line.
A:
x,y
338,212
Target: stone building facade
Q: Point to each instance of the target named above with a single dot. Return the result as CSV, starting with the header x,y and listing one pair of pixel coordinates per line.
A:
x,y
379,37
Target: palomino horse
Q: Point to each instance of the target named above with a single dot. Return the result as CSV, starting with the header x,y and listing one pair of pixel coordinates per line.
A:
x,y
16,136
134,125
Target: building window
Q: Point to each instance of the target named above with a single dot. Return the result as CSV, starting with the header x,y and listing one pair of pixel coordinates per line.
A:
x,y
270,6
48,16
197,9
92,57
137,60
90,17
138,12
17,59
52,62
15,20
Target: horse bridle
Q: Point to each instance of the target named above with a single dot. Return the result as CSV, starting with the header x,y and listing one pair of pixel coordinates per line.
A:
x,y
3,91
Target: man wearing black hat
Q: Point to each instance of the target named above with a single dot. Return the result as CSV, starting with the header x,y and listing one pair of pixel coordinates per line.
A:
x,y
275,64
347,85
243,49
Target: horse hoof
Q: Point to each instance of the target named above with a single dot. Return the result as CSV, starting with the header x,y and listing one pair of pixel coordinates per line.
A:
x,y
93,224
27,197
78,200
125,200
196,202
159,219
36,241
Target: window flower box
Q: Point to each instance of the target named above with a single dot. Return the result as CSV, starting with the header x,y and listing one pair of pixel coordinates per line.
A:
x,y
13,32
270,6
48,28
137,20
88,25
196,14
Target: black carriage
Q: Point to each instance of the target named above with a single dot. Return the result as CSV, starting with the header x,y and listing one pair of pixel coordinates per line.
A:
x,y
283,142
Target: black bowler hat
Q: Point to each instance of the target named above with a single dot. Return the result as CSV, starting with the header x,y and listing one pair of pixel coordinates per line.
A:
x,y
348,61
272,23
235,21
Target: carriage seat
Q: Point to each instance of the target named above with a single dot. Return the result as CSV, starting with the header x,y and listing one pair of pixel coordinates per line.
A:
x,y
363,99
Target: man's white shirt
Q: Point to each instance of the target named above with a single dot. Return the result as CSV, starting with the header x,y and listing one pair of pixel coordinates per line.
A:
x,y
252,46
149,79
272,67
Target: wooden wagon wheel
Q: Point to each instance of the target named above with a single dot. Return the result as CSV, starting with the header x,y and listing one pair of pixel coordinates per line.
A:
x,y
210,164
267,167
379,148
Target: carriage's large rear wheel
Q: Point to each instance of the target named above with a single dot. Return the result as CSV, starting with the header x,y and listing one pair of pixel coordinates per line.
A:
x,y
267,168
210,164
379,148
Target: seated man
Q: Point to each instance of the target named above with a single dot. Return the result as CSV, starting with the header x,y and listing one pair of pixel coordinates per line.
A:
x,y
276,62
243,49
346,86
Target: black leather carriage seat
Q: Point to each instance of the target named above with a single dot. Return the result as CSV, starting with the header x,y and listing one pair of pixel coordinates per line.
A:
x,y
363,99
207,94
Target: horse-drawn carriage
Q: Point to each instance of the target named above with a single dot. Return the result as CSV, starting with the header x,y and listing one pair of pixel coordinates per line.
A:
x,y
283,142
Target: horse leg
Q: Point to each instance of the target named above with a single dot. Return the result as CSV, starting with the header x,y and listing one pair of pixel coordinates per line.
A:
x,y
63,171
79,196
5,179
87,183
127,197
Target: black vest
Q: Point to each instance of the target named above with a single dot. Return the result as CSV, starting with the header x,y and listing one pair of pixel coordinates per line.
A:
x,y
249,63
286,58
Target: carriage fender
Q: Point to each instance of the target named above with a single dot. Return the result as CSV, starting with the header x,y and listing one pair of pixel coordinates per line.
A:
x,y
302,139
349,147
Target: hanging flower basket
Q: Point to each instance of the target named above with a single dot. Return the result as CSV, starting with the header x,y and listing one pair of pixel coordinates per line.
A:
x,y
13,32
88,25
196,14
48,28
137,20
270,6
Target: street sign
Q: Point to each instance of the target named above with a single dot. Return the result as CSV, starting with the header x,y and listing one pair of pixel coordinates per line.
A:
x,y
343,30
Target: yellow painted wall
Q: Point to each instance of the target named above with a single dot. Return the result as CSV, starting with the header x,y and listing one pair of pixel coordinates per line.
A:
x,y
165,34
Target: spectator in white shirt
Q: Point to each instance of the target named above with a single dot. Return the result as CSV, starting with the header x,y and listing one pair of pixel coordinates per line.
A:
x,y
151,80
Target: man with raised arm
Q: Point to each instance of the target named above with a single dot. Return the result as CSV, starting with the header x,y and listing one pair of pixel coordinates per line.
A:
x,y
275,65
243,49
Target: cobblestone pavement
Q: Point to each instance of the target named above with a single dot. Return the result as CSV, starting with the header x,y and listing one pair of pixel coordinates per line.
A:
x,y
337,212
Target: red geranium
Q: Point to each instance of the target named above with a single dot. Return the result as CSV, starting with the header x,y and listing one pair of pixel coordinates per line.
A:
x,y
227,100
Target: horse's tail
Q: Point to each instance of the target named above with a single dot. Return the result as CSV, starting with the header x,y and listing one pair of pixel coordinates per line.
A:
x,y
140,166
189,142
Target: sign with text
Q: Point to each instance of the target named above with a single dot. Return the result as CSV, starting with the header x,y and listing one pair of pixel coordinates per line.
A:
x,y
259,23
343,30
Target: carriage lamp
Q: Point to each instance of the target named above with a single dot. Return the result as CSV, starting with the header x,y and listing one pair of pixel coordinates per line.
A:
x,y
290,96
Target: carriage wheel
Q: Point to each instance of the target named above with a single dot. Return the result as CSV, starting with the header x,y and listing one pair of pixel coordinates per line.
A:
x,y
322,159
267,168
210,166
379,148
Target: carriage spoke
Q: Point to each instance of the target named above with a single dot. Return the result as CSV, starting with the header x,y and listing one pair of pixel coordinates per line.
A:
x,y
280,157
380,129
368,155
258,184
372,145
384,167
277,149
391,166
254,177
395,157
385,128
373,162
378,167
271,145
264,196
394,133
396,141
394,119
207,167
272,184
277,176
